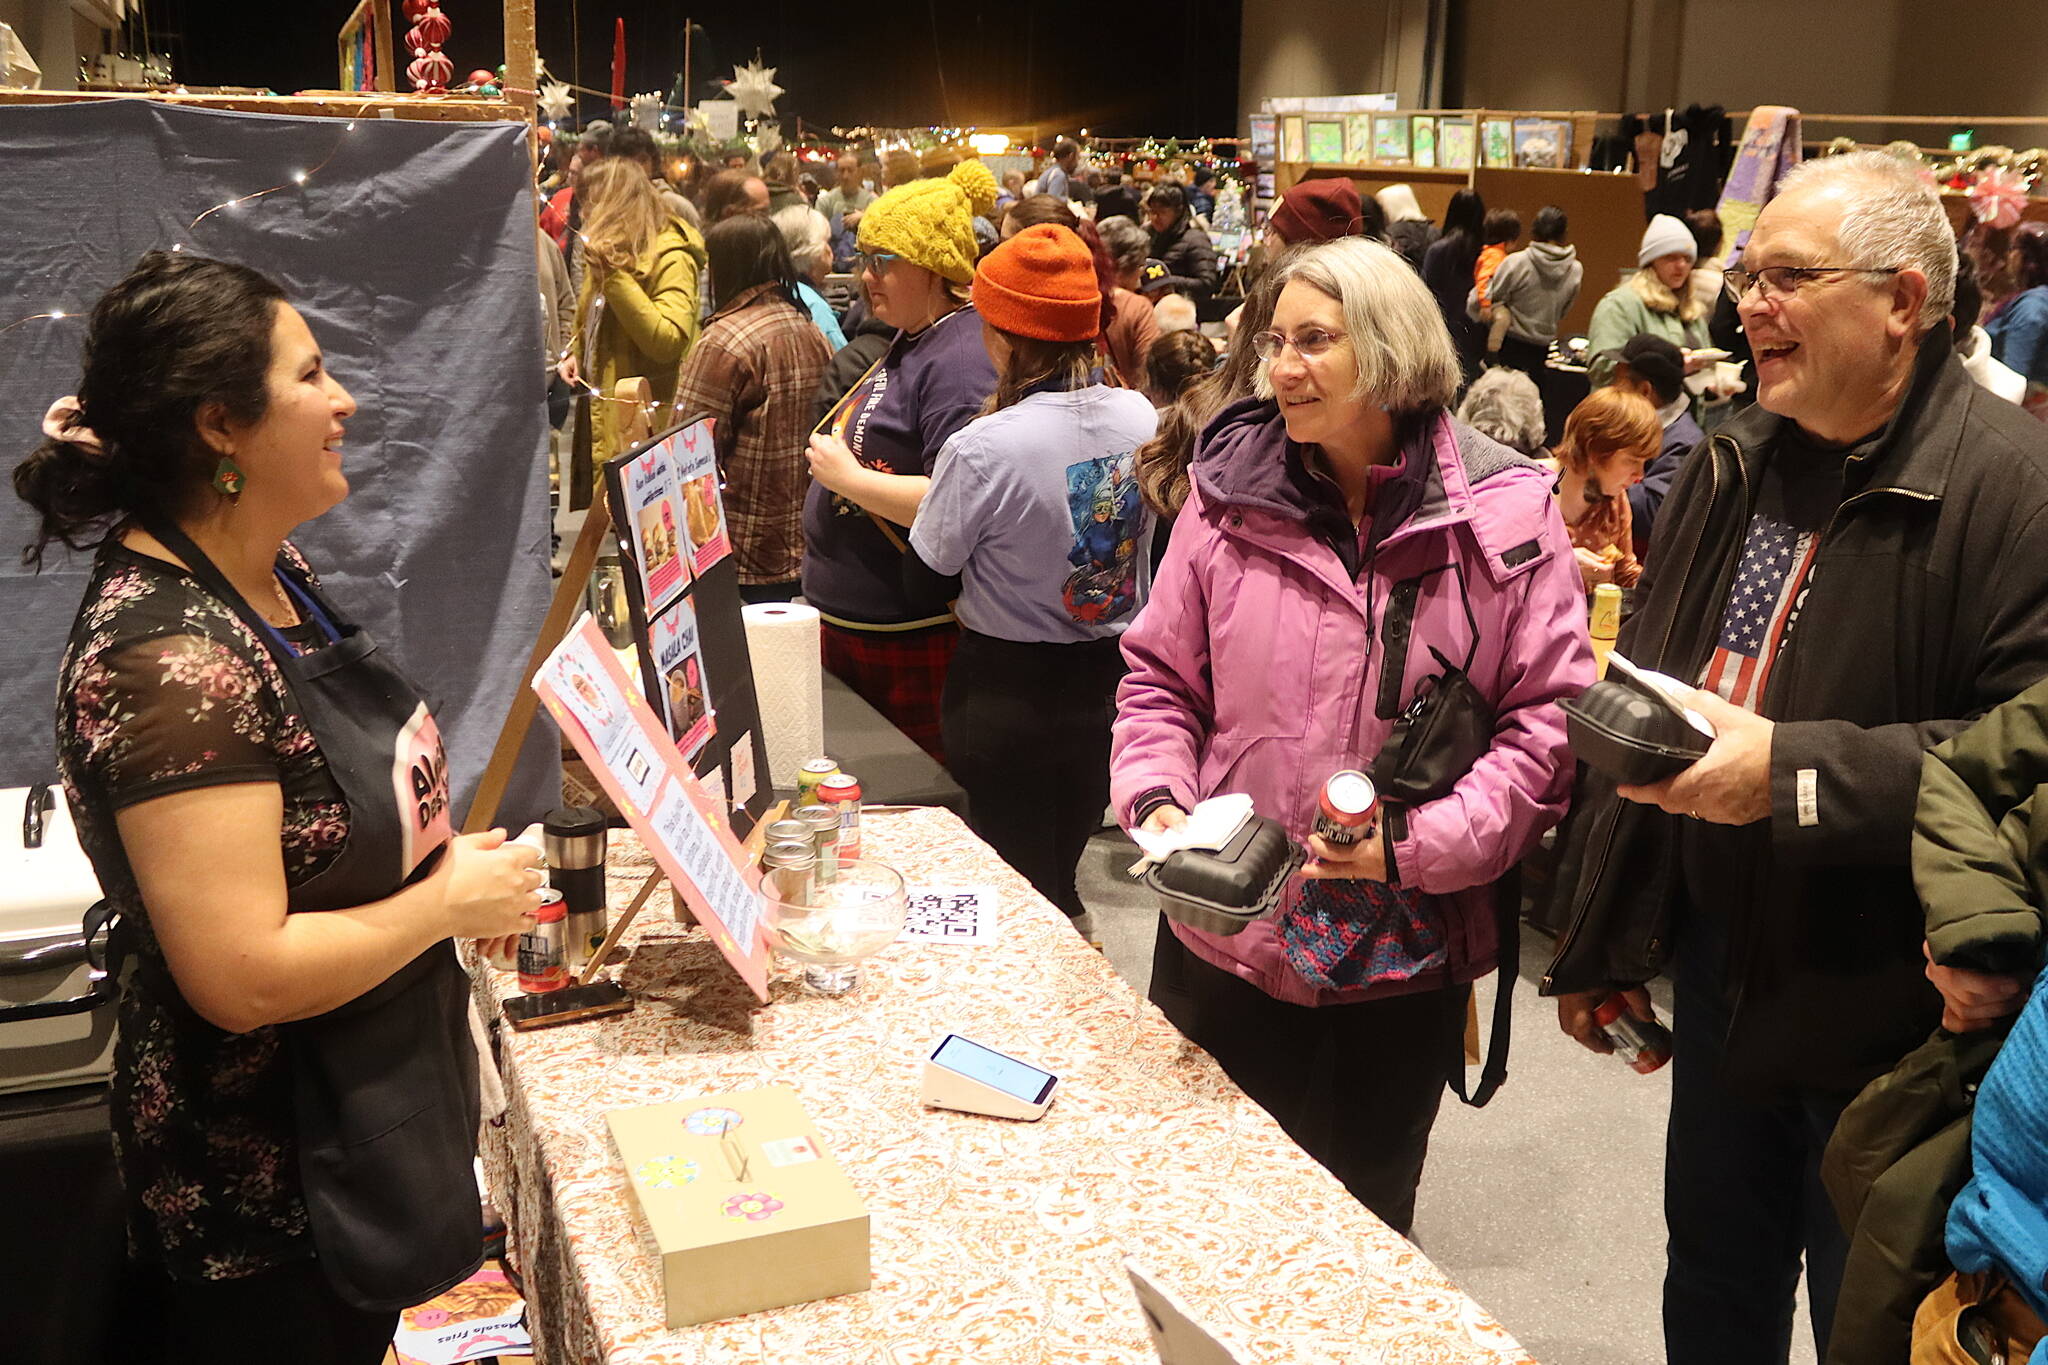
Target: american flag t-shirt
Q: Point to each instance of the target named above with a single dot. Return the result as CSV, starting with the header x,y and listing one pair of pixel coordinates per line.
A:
x,y
1763,606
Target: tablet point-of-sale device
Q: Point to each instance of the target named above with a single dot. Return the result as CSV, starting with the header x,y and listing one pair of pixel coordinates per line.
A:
x,y
962,1074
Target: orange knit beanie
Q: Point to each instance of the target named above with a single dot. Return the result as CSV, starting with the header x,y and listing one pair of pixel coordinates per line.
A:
x,y
1040,283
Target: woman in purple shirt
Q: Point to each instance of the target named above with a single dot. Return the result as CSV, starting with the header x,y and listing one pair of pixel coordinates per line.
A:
x,y
872,457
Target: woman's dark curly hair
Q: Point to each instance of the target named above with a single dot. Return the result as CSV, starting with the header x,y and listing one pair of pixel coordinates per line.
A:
x,y
179,332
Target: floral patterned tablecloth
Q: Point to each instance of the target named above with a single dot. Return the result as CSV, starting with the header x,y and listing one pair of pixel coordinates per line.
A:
x,y
992,1240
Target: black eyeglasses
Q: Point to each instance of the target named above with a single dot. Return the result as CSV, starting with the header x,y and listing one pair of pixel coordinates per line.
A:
x,y
1783,281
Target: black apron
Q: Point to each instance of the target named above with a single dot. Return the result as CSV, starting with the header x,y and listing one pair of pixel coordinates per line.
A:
x,y
386,1086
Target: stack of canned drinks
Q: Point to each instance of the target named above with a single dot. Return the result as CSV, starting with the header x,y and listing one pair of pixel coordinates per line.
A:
x,y
822,832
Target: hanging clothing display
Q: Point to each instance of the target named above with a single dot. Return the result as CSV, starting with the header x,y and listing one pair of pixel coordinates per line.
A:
x,y
1770,149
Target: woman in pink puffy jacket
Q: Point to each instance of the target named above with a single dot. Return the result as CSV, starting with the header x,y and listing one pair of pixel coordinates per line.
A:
x,y
1344,532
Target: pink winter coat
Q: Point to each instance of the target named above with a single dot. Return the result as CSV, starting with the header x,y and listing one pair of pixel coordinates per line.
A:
x,y
1256,665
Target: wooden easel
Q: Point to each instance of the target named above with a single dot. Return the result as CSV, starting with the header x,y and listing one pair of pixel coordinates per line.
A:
x,y
638,395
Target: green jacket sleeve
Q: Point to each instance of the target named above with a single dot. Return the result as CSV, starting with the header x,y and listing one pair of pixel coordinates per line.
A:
x,y
659,315
1972,836
1616,318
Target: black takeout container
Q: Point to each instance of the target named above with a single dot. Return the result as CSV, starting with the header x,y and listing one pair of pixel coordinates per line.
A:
x,y
1631,732
1221,892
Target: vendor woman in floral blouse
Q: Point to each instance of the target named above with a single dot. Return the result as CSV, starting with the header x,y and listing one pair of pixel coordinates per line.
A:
x,y
264,798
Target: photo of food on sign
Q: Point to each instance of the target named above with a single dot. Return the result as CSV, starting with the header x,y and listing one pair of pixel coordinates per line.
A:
x,y
658,535
589,693
700,498
686,693
696,469
679,687
650,509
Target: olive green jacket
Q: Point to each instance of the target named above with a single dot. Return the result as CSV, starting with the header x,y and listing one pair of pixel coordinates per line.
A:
x,y
1902,1149
651,318
1623,314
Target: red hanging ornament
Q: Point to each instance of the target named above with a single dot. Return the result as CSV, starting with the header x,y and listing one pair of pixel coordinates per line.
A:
x,y
619,64
430,70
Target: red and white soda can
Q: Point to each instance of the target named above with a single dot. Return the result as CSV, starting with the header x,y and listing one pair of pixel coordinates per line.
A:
x,y
1349,809
841,791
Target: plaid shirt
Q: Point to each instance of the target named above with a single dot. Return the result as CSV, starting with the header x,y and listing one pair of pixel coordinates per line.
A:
x,y
756,370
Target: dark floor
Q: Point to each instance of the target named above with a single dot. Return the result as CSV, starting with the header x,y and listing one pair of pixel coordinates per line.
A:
x,y
1546,1205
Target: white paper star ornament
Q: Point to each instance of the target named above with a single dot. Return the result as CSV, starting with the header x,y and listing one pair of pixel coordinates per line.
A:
x,y
754,89
555,99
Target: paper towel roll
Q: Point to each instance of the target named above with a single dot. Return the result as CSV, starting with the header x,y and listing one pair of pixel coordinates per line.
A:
x,y
783,639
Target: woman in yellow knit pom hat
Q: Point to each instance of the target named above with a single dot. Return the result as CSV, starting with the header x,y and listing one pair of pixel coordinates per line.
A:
x,y
872,457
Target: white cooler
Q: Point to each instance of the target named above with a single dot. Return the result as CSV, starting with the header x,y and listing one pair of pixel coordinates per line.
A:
x,y
56,1009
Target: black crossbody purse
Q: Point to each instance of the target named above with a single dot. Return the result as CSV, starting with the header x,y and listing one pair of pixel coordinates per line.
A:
x,y
1445,729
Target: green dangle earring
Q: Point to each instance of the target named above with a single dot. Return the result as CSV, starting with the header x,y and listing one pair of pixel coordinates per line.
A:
x,y
227,478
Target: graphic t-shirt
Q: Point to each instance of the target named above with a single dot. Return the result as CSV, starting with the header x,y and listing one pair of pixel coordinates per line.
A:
x,y
1037,509
1796,498
1802,486
896,419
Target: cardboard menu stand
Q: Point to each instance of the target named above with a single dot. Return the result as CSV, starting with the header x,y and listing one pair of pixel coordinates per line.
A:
x,y
686,829
747,1208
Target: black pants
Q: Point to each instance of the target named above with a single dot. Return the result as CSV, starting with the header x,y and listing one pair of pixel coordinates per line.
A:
x,y
290,1313
1560,392
1743,1202
753,593
1026,729
1356,1085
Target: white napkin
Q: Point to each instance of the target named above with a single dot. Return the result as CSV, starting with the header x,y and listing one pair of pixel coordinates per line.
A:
x,y
1676,692
1209,826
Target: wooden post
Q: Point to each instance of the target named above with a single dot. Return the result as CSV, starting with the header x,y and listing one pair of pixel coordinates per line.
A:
x,y
490,791
522,75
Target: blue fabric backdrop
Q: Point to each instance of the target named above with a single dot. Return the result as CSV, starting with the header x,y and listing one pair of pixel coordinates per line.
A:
x,y
410,250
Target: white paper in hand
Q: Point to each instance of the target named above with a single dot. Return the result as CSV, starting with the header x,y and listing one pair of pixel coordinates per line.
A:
x,y
1675,692
1210,825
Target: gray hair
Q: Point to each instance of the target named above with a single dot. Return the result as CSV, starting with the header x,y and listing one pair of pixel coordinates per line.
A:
x,y
1503,403
1175,313
1891,218
1126,242
1402,348
808,235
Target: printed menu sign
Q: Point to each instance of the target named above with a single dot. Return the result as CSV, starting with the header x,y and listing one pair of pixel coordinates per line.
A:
x,y
628,748
653,511
696,471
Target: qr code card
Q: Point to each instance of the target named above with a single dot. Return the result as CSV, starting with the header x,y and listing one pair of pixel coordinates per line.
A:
x,y
952,914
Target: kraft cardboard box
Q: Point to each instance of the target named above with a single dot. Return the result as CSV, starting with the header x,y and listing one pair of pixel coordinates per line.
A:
x,y
749,1210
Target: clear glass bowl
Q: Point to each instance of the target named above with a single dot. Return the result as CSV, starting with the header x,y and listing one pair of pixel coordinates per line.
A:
x,y
837,925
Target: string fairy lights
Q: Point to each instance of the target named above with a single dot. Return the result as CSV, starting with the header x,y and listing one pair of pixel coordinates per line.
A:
x,y
55,314
297,180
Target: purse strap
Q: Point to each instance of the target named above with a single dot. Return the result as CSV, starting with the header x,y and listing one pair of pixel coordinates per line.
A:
x,y
1507,896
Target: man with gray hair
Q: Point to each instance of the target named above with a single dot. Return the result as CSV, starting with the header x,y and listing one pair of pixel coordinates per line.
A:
x,y
1849,572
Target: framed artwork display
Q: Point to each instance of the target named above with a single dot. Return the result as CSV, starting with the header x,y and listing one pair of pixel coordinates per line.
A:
x,y
1423,139
1543,144
1497,142
1455,144
1390,141
1326,142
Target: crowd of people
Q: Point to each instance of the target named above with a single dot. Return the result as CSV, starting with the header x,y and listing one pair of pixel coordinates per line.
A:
x,y
1092,549
1069,593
